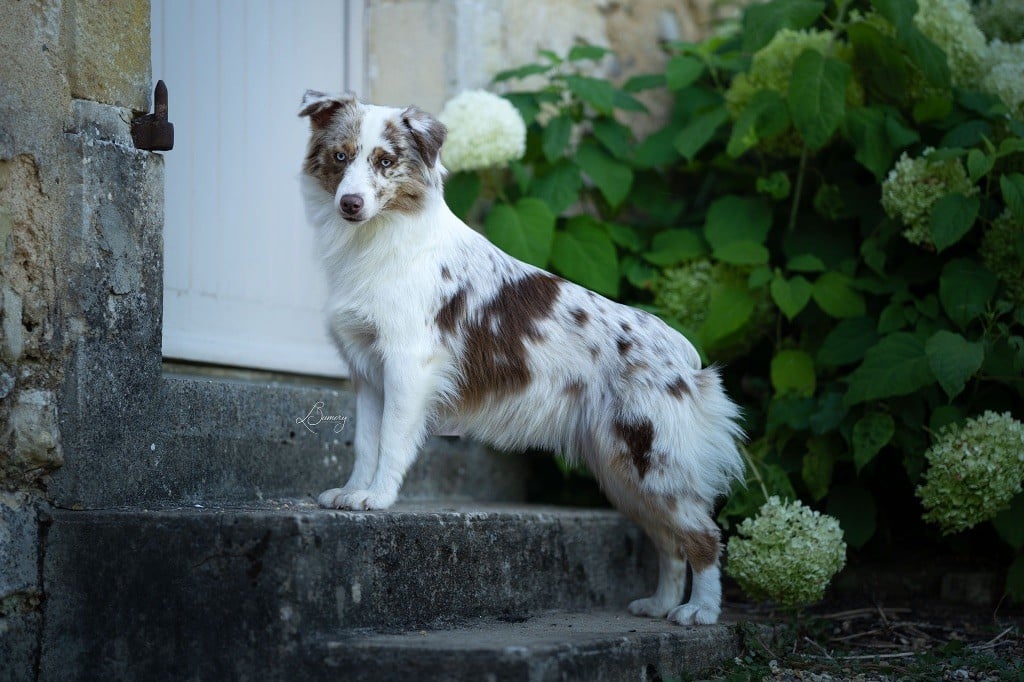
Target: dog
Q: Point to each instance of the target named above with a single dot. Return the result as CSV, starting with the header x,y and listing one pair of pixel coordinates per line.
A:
x,y
441,329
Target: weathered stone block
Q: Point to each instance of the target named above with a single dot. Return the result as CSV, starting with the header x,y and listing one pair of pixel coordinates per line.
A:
x,y
108,63
19,544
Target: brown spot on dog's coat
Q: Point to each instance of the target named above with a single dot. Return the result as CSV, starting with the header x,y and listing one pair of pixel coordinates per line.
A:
x,y
623,345
639,438
700,548
452,312
679,388
494,360
574,388
625,327
446,274
580,316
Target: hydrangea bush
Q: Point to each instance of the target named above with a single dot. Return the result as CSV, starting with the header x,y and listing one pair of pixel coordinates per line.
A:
x,y
973,472
787,553
833,205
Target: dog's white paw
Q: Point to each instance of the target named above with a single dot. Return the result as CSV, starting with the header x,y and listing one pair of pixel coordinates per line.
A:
x,y
365,500
694,614
331,499
649,606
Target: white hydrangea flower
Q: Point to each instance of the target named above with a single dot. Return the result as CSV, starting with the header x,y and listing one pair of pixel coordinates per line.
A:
x,y
951,25
484,130
1002,19
914,185
1005,77
787,553
974,471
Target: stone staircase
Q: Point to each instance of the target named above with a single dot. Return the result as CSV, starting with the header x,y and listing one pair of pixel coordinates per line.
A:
x,y
242,578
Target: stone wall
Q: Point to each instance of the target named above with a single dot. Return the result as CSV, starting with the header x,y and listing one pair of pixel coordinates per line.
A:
x,y
426,51
72,74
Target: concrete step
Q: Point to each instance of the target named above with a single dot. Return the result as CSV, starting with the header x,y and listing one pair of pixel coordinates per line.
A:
x,y
132,589
593,646
234,436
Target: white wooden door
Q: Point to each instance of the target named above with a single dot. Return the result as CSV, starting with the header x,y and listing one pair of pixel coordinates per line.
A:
x,y
241,285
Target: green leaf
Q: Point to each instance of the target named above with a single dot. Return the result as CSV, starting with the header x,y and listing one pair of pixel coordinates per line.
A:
x,y
952,217
522,72
742,253
523,231
728,311
681,71
979,164
883,67
623,235
896,365
953,360
555,137
656,149
790,295
614,136
699,131
765,117
625,101
926,54
640,274
967,134
892,318
817,96
900,13
817,468
461,191
855,509
871,433
1009,523
965,288
805,262
734,219
646,81
833,294
559,187
592,52
933,108
596,92
792,372
612,177
1012,186
762,21
526,103
868,131
670,247
775,185
848,342
584,253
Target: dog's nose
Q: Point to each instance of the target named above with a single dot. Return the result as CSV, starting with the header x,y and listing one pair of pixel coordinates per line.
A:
x,y
351,204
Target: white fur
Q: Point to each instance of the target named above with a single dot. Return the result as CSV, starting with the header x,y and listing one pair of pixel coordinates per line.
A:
x,y
385,308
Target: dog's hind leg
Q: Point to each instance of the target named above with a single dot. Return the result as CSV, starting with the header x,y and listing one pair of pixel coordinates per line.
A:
x,y
700,543
671,578
369,408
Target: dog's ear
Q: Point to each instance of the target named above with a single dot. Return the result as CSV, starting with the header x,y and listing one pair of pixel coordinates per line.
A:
x,y
426,132
321,107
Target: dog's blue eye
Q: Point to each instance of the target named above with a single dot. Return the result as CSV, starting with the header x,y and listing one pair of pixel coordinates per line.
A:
x,y
385,162
341,156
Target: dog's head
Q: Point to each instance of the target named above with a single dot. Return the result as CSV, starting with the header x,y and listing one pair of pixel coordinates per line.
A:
x,y
372,159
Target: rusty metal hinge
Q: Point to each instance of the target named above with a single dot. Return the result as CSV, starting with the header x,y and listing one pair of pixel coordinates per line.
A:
x,y
153,132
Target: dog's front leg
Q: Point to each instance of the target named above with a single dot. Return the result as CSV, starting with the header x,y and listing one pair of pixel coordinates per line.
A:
x,y
369,409
407,390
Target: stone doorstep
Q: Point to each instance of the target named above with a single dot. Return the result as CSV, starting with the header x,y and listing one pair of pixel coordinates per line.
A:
x,y
594,645
220,590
